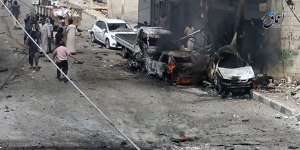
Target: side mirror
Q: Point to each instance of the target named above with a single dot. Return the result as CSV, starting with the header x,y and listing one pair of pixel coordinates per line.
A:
x,y
105,30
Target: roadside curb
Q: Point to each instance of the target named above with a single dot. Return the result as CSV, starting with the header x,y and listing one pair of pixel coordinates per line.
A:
x,y
276,105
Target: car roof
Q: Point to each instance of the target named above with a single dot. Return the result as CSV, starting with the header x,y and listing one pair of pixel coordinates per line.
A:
x,y
112,20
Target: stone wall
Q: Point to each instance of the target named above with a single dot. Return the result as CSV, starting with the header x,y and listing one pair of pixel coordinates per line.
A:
x,y
290,41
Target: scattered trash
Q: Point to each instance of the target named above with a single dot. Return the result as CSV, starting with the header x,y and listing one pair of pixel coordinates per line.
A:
x,y
196,91
78,62
6,108
278,117
123,143
3,69
245,120
183,138
259,129
293,147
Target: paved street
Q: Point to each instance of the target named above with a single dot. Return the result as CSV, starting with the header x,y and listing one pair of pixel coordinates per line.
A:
x,y
38,111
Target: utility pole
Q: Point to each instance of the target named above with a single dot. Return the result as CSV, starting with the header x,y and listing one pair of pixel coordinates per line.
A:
x,y
109,7
123,9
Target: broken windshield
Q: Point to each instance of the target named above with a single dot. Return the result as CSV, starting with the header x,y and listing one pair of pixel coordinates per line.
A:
x,y
118,27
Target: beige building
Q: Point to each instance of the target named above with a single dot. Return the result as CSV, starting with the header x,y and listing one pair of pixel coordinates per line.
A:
x,y
124,9
290,41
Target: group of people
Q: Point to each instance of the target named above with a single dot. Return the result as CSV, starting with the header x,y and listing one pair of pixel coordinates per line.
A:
x,y
14,7
42,29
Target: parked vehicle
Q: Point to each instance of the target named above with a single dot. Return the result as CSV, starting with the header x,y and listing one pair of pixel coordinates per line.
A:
x,y
171,66
230,73
145,41
105,31
54,2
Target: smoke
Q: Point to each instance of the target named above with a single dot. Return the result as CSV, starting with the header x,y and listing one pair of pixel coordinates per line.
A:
x,y
220,20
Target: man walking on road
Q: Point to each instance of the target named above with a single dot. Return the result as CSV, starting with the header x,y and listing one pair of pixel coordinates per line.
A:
x,y
61,55
45,35
190,40
34,52
71,36
50,38
28,25
15,9
4,1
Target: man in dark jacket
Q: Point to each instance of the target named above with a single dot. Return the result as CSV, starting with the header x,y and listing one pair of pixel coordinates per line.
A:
x,y
15,9
4,1
34,52
28,25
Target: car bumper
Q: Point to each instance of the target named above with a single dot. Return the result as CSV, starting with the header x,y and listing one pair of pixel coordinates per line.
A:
x,y
237,85
114,44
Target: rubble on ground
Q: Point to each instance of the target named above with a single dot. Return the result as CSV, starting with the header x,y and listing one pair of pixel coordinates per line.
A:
x,y
287,87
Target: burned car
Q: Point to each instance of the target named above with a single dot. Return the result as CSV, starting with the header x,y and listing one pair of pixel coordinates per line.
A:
x,y
171,66
230,74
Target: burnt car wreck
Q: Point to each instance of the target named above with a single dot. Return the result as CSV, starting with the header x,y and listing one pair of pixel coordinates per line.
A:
x,y
231,74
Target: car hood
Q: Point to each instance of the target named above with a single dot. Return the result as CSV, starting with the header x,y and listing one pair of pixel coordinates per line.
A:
x,y
242,73
122,32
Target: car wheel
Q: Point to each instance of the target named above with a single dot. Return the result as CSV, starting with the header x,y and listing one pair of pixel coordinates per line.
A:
x,y
93,39
218,85
107,44
165,77
124,52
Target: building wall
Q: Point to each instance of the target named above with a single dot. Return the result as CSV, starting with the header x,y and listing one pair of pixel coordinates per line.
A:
x,y
144,14
290,42
130,10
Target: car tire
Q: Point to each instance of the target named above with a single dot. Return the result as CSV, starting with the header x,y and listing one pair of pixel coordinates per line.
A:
x,y
107,44
165,77
93,39
124,52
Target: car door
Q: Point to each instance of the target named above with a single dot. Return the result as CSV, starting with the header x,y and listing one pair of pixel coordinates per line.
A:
x,y
104,31
98,30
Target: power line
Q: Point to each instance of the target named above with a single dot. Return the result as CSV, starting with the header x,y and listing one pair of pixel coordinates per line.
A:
x,y
73,84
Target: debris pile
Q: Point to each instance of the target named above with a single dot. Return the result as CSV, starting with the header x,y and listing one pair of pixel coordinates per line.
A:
x,y
269,84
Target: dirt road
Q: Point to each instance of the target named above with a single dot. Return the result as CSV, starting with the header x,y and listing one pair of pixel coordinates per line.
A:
x,y
38,111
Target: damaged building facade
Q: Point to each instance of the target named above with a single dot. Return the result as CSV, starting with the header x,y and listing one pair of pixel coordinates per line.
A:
x,y
219,20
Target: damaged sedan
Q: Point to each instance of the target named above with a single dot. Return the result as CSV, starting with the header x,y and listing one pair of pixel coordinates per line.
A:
x,y
231,74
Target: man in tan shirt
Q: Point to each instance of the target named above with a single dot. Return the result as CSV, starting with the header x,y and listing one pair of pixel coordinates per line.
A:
x,y
190,40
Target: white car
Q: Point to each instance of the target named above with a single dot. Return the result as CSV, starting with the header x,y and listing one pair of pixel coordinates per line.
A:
x,y
104,31
54,2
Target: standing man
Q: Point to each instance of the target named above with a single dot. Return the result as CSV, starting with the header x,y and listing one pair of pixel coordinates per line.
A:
x,y
34,52
50,38
190,39
9,4
28,25
4,1
15,9
45,34
59,36
61,55
71,37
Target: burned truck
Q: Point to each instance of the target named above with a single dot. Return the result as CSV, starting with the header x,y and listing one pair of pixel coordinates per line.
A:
x,y
137,47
